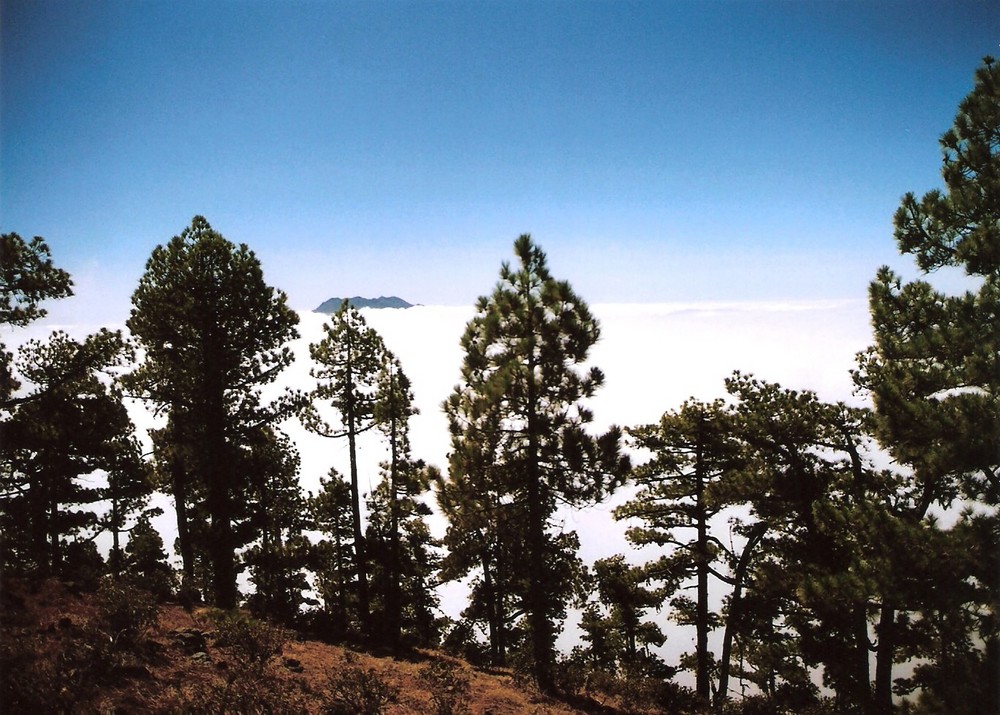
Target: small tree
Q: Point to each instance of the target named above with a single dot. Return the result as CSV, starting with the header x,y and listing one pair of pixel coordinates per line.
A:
x,y
484,533
72,424
620,587
146,561
278,516
400,541
333,556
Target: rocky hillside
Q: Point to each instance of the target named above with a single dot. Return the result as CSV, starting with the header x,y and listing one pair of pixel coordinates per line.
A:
x,y
117,651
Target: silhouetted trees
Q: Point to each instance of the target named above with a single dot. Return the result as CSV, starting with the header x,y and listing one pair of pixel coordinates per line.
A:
x,y
403,548
832,564
348,359
213,333
74,425
520,379
333,559
934,377
63,427
691,448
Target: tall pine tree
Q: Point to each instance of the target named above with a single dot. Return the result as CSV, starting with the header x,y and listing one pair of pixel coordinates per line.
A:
x,y
524,351
934,376
349,359
692,448
397,516
213,333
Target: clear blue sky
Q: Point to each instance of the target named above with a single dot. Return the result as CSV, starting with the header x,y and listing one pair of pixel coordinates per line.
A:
x,y
658,151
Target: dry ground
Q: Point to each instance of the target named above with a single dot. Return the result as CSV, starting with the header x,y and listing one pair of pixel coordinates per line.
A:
x,y
52,661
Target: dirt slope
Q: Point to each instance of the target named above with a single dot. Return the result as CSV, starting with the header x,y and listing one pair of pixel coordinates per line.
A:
x,y
66,650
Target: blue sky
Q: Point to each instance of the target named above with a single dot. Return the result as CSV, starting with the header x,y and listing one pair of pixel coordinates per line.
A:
x,y
662,151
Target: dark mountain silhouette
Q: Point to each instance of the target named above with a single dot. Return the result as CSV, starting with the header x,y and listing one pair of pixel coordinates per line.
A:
x,y
333,304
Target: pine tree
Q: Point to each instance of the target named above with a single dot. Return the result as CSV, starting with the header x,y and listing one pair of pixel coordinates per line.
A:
x,y
27,277
483,538
830,526
276,521
485,530
397,525
172,473
146,561
393,407
620,587
333,556
692,448
602,637
404,561
72,424
934,370
523,352
213,333
349,359
127,493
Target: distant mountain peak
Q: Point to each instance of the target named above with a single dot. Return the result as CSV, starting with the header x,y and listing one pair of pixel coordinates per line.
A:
x,y
333,304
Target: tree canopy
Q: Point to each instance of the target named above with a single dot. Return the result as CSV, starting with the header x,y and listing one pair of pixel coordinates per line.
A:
x,y
213,333
522,380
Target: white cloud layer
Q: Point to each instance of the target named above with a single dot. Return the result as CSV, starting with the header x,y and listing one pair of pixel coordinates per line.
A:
x,y
654,356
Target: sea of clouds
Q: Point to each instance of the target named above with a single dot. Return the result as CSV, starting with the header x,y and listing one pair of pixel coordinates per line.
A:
x,y
654,356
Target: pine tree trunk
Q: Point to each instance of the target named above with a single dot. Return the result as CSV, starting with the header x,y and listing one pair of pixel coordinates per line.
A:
x,y
341,588
115,560
735,613
393,605
491,609
538,617
499,602
863,695
884,658
178,478
703,686
38,522
360,560
219,475
54,557
221,550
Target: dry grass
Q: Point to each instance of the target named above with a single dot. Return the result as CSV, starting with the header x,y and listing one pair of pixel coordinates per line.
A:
x,y
47,630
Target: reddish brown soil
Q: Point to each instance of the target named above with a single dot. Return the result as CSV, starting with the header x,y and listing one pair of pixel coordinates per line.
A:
x,y
43,625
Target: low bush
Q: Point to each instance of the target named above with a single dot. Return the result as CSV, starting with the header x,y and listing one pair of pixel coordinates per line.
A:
x,y
358,691
125,614
249,683
252,644
449,687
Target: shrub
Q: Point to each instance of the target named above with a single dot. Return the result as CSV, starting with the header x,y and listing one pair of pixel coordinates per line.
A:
x,y
573,673
356,691
449,687
242,692
460,641
249,686
250,642
125,614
